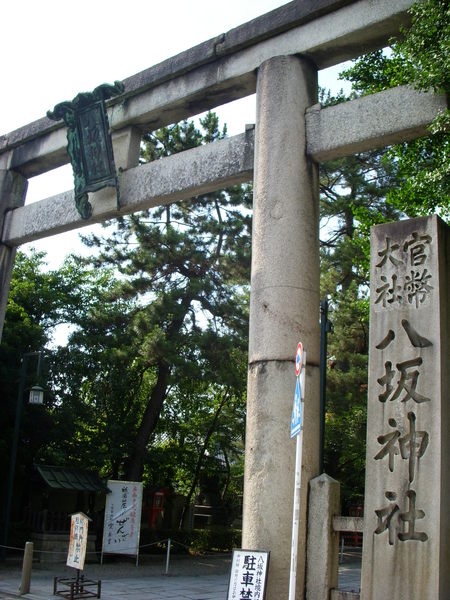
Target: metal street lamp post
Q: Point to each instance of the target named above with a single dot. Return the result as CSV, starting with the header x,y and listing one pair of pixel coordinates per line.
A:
x,y
36,397
326,327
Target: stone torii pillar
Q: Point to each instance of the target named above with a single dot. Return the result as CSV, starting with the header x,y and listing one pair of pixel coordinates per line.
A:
x,y
284,309
13,189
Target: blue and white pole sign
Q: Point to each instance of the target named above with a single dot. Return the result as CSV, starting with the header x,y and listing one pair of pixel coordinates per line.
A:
x,y
297,417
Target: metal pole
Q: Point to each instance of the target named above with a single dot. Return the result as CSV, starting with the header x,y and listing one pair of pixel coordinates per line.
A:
x,y
297,487
296,511
39,364
325,328
168,556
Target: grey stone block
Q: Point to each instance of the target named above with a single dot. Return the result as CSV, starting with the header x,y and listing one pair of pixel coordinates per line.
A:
x,y
406,550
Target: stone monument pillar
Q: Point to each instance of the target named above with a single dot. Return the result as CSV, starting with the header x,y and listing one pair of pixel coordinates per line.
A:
x,y
284,309
406,551
13,189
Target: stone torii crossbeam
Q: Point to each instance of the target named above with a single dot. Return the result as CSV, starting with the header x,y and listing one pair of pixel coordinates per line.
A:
x,y
277,55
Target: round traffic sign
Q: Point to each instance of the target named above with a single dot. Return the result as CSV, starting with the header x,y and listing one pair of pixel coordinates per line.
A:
x,y
298,359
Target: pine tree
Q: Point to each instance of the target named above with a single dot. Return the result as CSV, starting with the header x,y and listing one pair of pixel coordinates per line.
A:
x,y
183,272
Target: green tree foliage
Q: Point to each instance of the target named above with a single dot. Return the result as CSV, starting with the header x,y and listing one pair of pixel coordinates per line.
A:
x,y
420,58
199,443
151,384
366,189
352,198
352,194
97,382
175,313
345,429
38,301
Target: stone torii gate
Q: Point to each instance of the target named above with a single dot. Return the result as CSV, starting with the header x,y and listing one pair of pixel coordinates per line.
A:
x,y
278,56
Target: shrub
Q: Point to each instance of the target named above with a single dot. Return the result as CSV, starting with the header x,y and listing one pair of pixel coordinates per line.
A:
x,y
197,541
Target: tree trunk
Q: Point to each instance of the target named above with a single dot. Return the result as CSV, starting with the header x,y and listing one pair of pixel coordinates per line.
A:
x,y
348,275
226,486
157,397
148,423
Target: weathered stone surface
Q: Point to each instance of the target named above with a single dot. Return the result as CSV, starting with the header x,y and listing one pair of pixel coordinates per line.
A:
x,y
276,21
406,551
37,154
329,136
195,171
270,465
13,189
374,121
185,85
348,524
342,595
284,308
323,540
126,146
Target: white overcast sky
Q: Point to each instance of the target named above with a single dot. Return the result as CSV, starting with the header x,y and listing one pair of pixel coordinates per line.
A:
x,y
53,49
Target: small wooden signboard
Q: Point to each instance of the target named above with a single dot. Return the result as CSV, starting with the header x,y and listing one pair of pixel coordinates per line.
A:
x,y
75,588
76,555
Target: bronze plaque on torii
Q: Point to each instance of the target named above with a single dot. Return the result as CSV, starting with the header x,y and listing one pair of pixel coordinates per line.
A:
x,y
89,142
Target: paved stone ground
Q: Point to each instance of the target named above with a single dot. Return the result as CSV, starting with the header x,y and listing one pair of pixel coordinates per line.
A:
x,y
189,578
350,570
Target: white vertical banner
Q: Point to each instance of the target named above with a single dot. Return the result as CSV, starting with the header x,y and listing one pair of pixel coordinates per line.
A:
x,y
79,523
122,518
